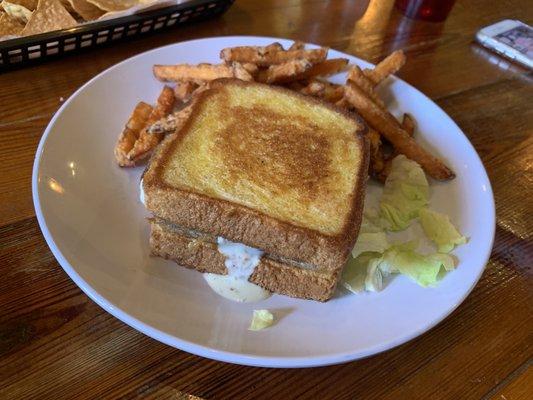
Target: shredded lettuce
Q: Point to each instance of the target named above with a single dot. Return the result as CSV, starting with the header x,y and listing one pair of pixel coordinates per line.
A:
x,y
261,319
446,260
358,271
405,198
361,271
423,269
440,230
372,221
372,237
375,242
405,192
374,277
366,272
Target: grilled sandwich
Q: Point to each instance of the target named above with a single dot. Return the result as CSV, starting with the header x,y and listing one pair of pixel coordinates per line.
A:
x,y
268,168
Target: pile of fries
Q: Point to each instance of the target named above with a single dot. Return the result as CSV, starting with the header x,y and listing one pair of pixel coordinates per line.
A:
x,y
297,68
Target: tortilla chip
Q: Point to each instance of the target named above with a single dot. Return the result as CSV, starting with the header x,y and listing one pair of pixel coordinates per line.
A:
x,y
10,26
29,4
50,15
116,5
86,10
141,6
67,6
16,11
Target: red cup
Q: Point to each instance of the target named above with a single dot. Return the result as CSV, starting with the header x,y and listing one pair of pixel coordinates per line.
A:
x,y
428,10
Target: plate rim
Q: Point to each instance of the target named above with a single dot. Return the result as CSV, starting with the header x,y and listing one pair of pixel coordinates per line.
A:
x,y
222,355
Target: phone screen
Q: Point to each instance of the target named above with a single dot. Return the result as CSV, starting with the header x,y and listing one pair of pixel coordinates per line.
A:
x,y
519,38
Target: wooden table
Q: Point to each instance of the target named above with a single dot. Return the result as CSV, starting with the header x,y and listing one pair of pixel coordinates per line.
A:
x,y
56,343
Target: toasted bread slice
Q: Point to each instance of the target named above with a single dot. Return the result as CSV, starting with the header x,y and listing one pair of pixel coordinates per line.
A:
x,y
198,251
266,167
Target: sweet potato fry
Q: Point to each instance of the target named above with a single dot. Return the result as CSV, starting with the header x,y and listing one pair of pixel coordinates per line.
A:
x,y
326,90
192,73
200,89
251,68
343,103
184,90
200,73
408,124
282,73
377,160
147,141
296,86
324,68
297,45
240,72
357,77
276,46
164,105
387,125
266,56
136,122
164,126
172,122
388,66
314,88
333,92
303,70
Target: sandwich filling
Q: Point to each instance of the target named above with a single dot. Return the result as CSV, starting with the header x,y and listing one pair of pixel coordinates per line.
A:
x,y
240,261
141,193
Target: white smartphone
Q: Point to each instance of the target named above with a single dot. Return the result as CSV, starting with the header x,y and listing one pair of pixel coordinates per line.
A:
x,y
510,38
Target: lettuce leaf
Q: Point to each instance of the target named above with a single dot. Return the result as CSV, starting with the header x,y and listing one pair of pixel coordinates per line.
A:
x,y
374,277
261,319
366,272
440,230
372,221
405,197
405,192
362,274
426,270
375,242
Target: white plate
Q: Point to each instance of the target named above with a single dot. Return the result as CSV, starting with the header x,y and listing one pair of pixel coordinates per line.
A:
x,y
91,218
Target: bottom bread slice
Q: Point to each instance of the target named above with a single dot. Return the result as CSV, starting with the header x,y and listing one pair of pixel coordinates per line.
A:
x,y
199,252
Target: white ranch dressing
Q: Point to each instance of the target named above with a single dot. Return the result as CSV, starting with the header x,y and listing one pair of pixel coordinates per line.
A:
x,y
141,193
240,262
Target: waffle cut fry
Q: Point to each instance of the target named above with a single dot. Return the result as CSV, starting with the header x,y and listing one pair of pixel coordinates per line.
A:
x,y
136,122
147,141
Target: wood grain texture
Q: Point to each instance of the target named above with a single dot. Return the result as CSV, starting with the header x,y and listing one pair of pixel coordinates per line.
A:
x,y
56,343
381,29
518,386
19,142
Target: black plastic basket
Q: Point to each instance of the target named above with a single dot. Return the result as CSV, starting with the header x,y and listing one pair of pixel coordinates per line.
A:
x,y
23,51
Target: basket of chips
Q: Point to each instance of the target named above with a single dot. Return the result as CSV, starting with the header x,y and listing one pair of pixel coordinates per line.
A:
x,y
33,30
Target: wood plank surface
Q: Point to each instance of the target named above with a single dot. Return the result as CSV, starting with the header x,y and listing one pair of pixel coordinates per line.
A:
x,y
57,343
518,386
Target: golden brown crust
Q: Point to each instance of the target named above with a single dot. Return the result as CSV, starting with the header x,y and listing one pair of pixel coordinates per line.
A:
x,y
272,275
239,223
